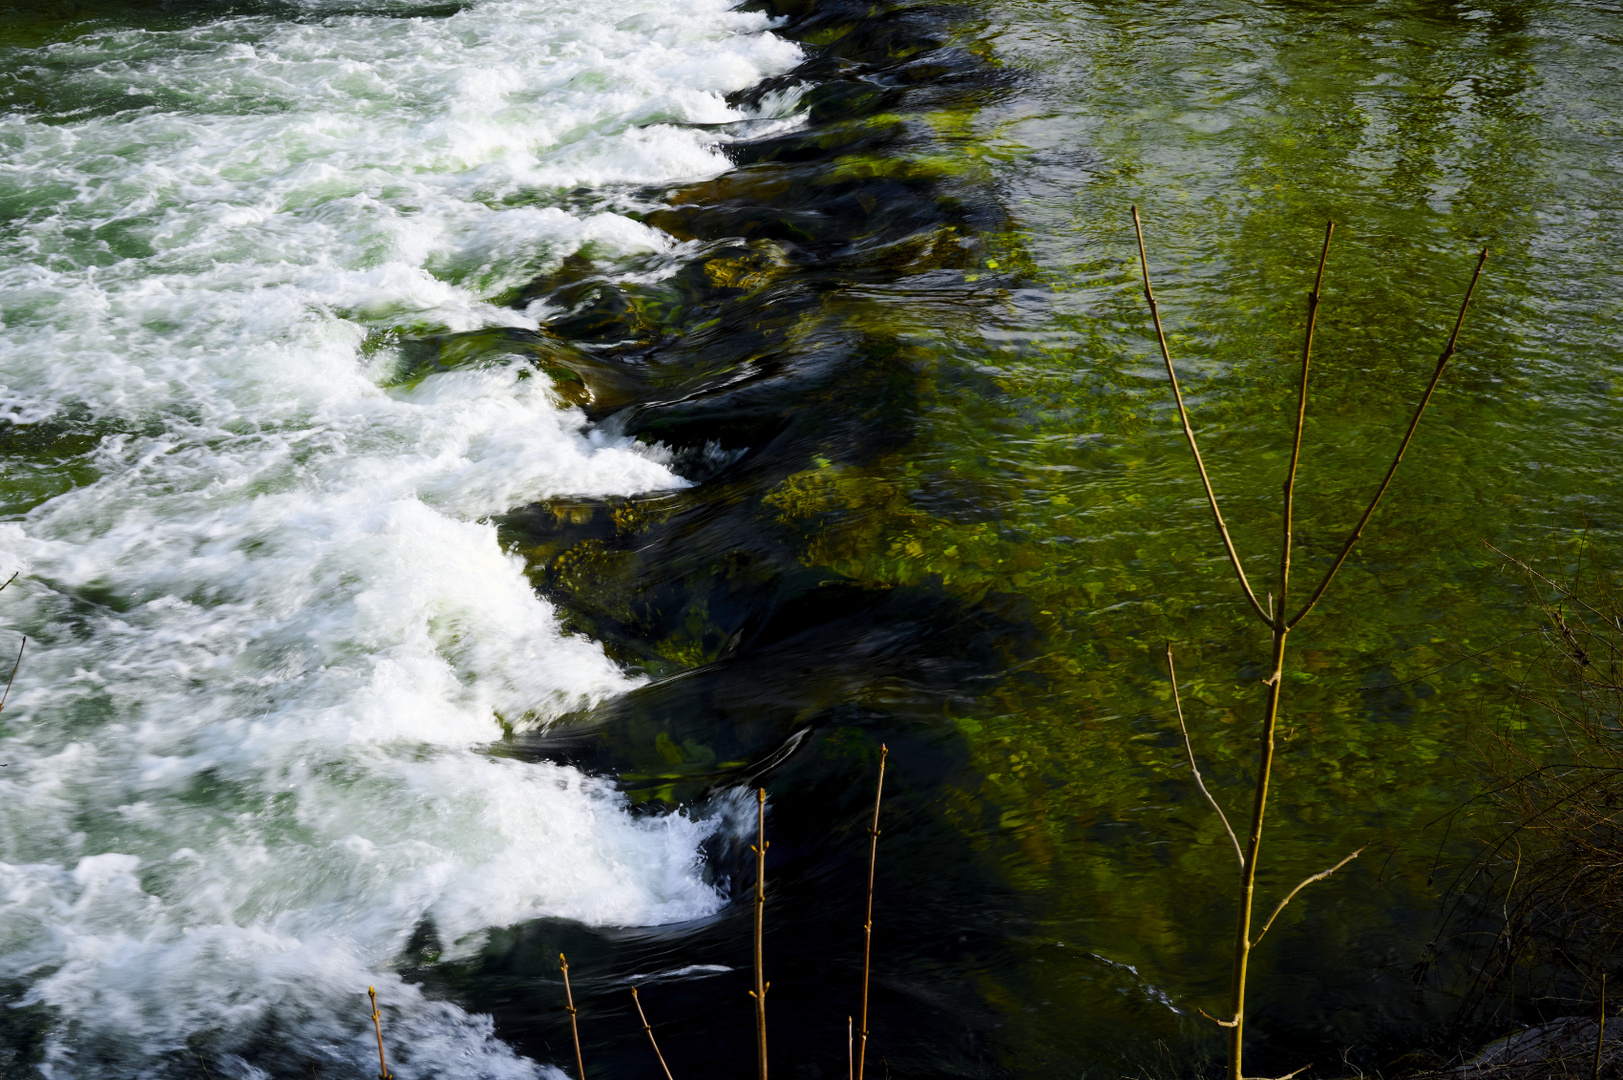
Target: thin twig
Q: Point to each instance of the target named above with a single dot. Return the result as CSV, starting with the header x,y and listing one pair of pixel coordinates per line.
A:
x,y
1320,876
7,694
850,1053
1189,432
1195,769
1420,410
1452,663
650,1032
574,1028
1553,584
761,985
867,925
377,1023
8,581
1297,1072
13,678
1215,1020
1301,422
1600,1031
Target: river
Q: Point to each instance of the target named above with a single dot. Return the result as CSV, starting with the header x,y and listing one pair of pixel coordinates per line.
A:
x,y
455,452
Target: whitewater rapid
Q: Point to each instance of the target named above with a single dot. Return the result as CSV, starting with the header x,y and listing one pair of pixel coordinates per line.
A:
x,y
271,626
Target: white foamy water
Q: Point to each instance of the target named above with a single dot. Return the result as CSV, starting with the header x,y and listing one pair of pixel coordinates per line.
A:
x,y
272,631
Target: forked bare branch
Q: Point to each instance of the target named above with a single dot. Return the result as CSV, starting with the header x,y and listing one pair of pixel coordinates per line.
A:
x,y
1195,769
1189,432
1320,876
1420,410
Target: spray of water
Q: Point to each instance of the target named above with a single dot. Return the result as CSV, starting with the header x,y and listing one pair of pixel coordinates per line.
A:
x,y
274,631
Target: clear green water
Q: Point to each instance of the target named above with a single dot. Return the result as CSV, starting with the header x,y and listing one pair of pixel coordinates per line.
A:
x,y
1424,131
1039,477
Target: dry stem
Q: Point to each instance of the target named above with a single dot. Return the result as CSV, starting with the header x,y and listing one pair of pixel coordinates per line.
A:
x,y
13,678
1189,748
1397,459
1320,876
867,926
650,1033
574,1028
1600,1027
1313,299
14,668
761,985
377,1023
1189,432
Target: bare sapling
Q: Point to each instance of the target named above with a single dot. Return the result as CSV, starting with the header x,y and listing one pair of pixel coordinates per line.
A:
x,y
569,1007
761,985
649,1031
377,1025
1276,616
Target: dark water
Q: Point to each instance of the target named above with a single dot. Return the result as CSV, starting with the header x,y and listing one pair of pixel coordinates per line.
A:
x,y
939,503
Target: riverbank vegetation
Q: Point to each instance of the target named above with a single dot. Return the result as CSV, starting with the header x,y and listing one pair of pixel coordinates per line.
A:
x,y
1537,915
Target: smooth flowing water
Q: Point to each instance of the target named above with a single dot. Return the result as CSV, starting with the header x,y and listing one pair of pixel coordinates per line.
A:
x,y
453,452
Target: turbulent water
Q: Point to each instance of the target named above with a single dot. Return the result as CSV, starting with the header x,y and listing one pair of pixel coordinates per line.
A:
x,y
270,623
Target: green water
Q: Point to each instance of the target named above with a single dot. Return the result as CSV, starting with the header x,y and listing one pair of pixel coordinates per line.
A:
x,y
1424,131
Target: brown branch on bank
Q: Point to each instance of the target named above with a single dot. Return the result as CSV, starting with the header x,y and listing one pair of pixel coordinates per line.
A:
x,y
1189,748
1320,876
761,985
377,1023
649,1031
867,925
1189,432
569,1007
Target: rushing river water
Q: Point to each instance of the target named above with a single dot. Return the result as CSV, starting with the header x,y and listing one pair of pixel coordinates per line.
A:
x,y
453,452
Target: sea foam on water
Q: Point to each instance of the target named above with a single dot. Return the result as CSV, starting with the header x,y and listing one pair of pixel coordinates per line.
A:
x,y
272,628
